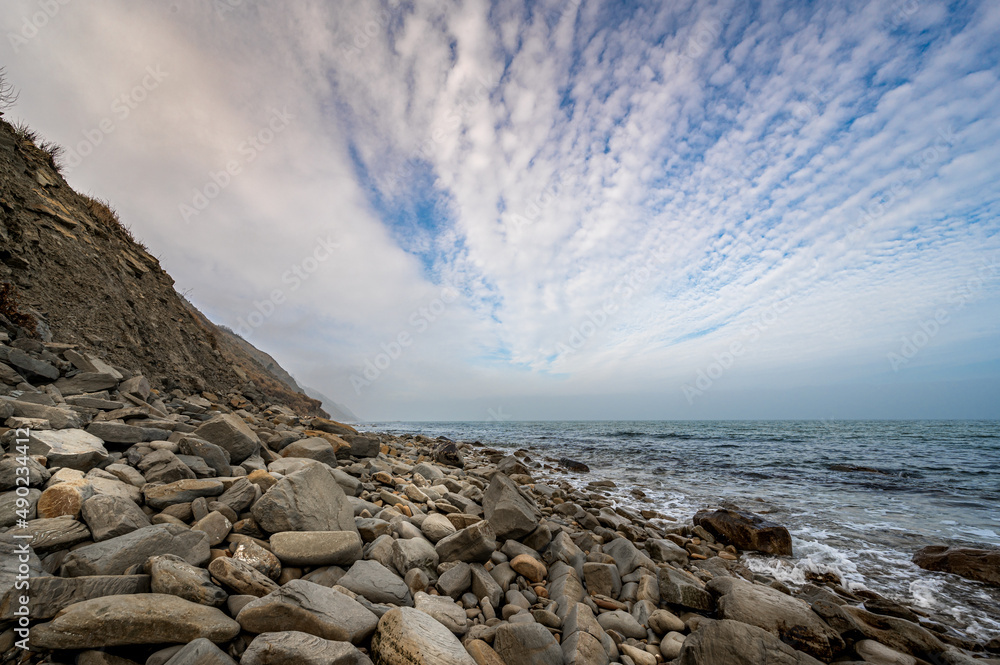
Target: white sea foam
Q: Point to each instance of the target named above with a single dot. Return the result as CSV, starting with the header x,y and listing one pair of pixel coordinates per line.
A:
x,y
925,593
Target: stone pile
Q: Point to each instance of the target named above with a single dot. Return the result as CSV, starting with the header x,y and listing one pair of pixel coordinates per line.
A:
x,y
179,529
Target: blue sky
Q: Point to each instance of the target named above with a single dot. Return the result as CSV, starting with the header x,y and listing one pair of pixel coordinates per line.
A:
x,y
554,210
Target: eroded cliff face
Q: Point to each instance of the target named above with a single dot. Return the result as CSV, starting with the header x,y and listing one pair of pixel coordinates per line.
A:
x,y
87,281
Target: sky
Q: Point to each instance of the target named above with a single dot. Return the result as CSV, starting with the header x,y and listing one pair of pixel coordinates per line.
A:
x,y
556,210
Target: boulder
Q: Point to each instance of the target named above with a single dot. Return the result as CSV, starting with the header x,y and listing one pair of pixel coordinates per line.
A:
x,y
316,448
898,634
240,495
510,512
86,382
230,433
683,589
666,551
241,577
307,500
414,553
309,608
116,555
788,618
215,456
258,558
198,652
406,636
730,642
148,618
70,448
32,367
317,548
162,466
376,583
436,527
573,465
170,574
292,646
112,516
117,432
13,507
473,544
50,595
980,565
332,427
64,498
746,531
47,535
527,644
58,417
159,497
447,453
444,610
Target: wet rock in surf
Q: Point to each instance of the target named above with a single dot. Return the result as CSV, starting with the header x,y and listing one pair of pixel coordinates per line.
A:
x,y
573,465
746,531
981,565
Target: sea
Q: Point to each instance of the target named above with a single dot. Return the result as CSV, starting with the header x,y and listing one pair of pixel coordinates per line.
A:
x,y
859,497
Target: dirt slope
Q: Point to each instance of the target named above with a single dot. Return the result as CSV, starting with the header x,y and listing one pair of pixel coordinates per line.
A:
x,y
85,280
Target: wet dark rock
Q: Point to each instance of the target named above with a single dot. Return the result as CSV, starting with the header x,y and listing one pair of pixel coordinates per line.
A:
x,y
746,531
981,565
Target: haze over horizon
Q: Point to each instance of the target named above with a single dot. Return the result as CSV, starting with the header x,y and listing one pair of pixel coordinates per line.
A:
x,y
556,210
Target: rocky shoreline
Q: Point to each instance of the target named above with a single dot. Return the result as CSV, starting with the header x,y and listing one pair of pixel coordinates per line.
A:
x,y
145,526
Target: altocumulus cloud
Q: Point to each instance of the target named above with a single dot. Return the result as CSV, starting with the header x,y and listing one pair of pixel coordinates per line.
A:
x,y
815,182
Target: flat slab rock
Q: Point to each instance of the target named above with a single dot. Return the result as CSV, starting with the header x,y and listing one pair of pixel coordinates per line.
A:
x,y
115,556
292,646
148,618
50,595
730,642
72,448
406,636
310,608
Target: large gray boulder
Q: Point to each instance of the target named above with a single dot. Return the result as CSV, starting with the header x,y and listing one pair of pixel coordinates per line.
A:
x,y
681,588
408,553
215,456
162,466
511,512
730,642
59,417
310,608
230,433
146,618
316,448
72,448
317,548
473,544
376,583
406,636
788,618
112,516
527,644
307,500
117,555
